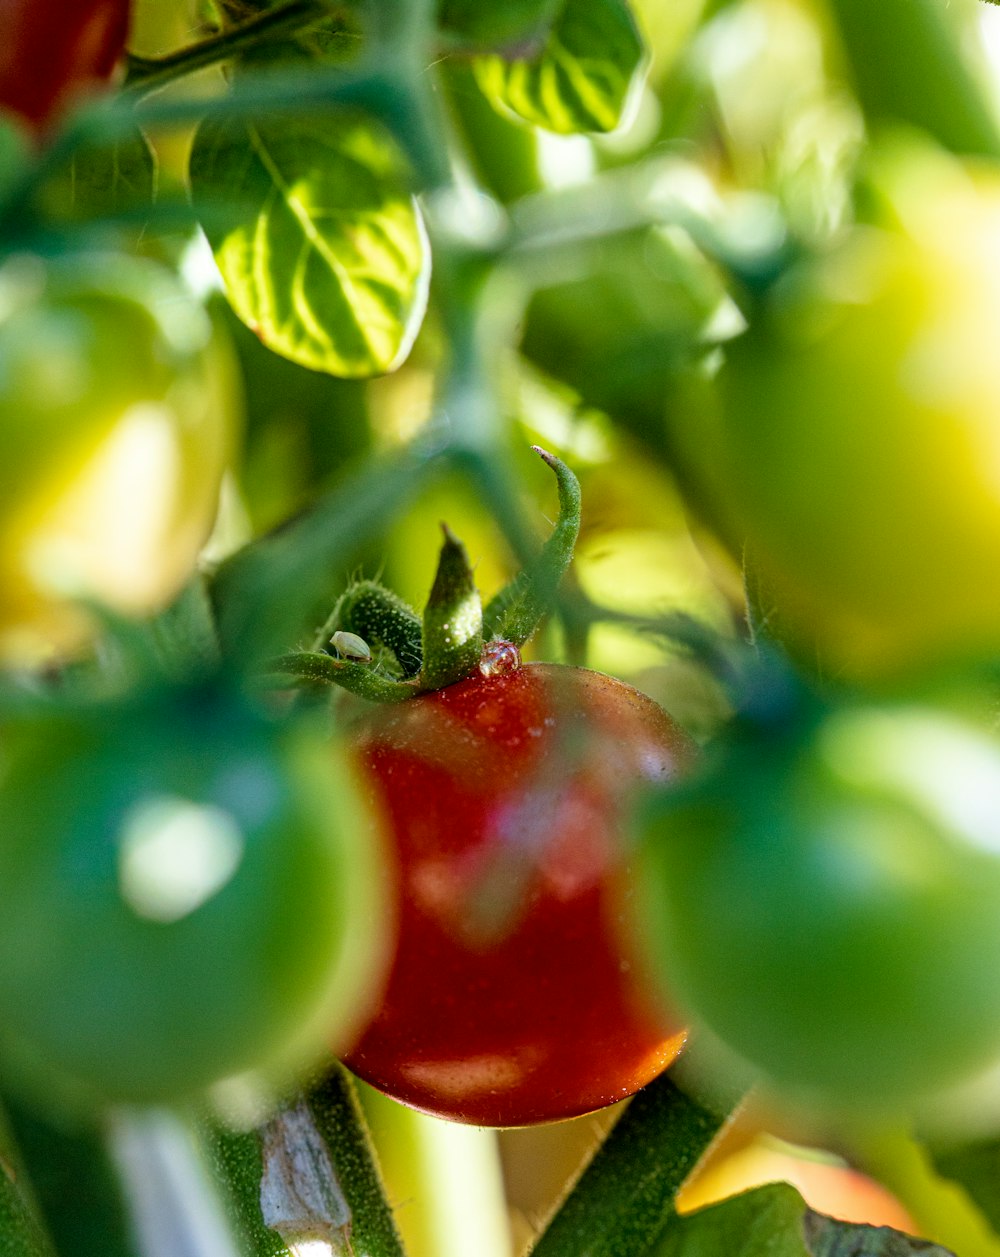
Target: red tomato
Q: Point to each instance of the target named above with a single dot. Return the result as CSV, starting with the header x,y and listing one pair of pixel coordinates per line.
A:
x,y
513,998
51,50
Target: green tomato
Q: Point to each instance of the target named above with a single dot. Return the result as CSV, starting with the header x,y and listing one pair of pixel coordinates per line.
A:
x,y
189,893
852,446
830,908
116,423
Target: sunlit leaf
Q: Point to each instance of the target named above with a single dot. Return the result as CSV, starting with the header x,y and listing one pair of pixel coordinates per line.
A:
x,y
977,1167
317,236
581,77
774,1221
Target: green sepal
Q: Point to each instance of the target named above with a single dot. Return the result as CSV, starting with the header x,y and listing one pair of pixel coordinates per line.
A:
x,y
516,611
453,619
381,618
358,678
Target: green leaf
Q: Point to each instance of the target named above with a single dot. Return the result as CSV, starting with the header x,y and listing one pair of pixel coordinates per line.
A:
x,y
76,1183
22,1232
317,236
774,1221
102,181
581,78
479,24
15,150
381,618
976,1167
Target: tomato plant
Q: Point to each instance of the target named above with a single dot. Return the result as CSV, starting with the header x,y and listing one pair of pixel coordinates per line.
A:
x,y
113,393
193,895
826,907
52,52
514,996
539,219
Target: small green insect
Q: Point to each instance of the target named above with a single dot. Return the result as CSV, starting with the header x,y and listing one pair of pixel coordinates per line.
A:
x,y
350,646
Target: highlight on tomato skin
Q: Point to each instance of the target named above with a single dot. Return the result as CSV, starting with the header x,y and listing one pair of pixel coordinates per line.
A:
x,y
514,997
52,52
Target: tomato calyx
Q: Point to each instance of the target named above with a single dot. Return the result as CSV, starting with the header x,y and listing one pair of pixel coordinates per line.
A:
x,y
380,649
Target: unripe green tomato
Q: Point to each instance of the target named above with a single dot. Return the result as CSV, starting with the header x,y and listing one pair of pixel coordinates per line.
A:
x,y
853,447
116,423
189,893
830,909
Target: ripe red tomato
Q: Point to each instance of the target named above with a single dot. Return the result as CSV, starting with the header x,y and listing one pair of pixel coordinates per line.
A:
x,y
51,51
513,998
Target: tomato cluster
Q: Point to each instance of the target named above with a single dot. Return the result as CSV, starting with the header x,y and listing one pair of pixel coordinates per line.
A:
x,y
515,995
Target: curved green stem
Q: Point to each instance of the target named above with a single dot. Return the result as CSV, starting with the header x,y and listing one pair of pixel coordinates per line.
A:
x,y
147,74
448,1175
516,611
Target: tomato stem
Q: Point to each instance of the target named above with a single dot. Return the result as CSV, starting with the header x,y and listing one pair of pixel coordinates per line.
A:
x,y
625,1196
148,74
308,1172
359,678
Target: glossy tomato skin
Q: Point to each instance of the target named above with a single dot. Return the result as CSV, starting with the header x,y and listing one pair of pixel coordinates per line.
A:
x,y
830,908
848,446
514,997
117,420
189,893
53,51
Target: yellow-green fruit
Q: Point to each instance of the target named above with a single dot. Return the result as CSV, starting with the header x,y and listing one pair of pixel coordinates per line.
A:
x,y
116,423
852,448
